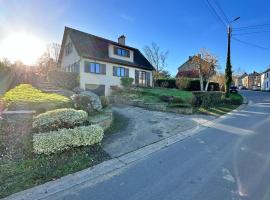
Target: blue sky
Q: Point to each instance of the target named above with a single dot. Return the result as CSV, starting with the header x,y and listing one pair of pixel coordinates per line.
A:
x,y
181,27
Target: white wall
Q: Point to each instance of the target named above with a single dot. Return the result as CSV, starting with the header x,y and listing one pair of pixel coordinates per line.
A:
x,y
264,81
112,55
70,58
105,79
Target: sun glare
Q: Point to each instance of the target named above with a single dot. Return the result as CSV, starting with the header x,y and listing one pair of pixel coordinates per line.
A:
x,y
22,46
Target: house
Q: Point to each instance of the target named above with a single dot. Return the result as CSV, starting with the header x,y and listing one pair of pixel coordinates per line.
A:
x,y
189,68
239,80
101,63
252,80
265,80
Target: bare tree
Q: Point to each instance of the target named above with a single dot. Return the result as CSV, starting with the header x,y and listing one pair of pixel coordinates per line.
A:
x,y
156,57
206,65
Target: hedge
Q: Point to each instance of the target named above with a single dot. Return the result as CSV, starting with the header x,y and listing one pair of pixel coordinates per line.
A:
x,y
59,118
67,80
195,85
26,97
166,82
208,99
57,141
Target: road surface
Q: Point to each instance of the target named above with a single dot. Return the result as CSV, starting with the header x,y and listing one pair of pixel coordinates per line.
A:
x,y
229,161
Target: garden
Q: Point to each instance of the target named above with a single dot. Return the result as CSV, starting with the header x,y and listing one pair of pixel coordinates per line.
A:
x,y
61,136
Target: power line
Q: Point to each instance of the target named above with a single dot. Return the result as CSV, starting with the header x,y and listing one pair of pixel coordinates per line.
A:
x,y
252,27
215,13
222,11
250,33
251,44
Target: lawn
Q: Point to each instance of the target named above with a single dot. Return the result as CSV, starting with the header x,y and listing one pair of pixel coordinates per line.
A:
x,y
19,175
25,97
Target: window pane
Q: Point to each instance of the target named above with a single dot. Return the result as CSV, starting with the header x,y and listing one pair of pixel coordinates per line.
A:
x,y
122,72
97,68
119,51
118,71
92,67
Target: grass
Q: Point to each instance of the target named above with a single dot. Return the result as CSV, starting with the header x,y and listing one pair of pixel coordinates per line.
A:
x,y
233,102
25,96
19,175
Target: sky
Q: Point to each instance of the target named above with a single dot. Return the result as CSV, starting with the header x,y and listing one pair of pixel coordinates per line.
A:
x,y
181,27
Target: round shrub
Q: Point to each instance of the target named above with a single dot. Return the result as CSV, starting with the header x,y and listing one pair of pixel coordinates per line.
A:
x,y
57,141
59,118
126,82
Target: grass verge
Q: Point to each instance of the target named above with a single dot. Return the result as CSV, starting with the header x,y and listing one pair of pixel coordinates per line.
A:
x,y
19,175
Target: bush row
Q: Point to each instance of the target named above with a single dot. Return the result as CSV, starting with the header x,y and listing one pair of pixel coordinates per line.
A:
x,y
59,118
57,141
208,99
184,83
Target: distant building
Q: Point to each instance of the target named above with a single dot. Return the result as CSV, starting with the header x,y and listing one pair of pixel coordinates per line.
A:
x,y
189,68
251,81
265,80
239,80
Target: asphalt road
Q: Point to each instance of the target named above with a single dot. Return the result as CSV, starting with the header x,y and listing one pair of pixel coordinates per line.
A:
x,y
228,161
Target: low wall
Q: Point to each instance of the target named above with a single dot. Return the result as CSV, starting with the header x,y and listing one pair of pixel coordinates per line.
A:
x,y
150,106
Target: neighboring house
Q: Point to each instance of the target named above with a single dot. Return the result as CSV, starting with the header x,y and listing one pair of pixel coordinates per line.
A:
x,y
189,68
252,80
239,80
101,62
265,80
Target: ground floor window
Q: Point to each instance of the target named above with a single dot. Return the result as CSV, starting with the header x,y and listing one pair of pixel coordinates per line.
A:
x,y
142,78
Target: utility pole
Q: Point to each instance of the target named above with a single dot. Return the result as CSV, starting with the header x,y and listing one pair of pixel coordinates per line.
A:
x,y
228,69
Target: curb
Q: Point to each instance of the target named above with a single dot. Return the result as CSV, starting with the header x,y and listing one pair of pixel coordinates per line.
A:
x,y
98,172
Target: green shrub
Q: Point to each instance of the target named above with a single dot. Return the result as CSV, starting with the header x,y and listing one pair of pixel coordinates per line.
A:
x,y
55,141
165,82
126,82
26,97
208,99
59,118
234,99
105,102
183,83
67,80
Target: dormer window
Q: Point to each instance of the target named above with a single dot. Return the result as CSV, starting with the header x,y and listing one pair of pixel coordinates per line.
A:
x,y
68,48
121,52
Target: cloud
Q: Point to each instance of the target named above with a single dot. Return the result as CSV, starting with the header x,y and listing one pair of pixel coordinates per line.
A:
x,y
127,18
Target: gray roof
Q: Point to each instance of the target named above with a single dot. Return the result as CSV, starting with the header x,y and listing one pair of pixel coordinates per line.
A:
x,y
94,47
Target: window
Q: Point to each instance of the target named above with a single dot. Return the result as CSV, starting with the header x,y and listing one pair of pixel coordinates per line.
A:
x,y
96,68
68,48
120,71
142,78
121,52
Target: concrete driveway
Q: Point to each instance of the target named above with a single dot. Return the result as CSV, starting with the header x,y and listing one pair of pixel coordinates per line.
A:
x,y
145,127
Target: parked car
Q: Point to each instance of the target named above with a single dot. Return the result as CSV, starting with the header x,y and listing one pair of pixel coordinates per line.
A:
x,y
233,89
256,88
242,88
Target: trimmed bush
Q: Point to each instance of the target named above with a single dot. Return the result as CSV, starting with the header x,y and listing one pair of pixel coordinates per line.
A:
x,y
57,141
234,99
208,99
166,82
194,85
67,80
126,82
105,102
183,83
59,118
26,97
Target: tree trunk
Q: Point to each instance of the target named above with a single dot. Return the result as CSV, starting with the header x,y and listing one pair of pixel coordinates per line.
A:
x,y
206,86
201,80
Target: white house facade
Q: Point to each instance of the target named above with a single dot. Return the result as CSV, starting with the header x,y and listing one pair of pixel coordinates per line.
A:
x,y
101,63
265,80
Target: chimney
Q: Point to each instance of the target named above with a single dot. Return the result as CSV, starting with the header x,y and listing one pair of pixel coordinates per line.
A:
x,y
190,57
122,40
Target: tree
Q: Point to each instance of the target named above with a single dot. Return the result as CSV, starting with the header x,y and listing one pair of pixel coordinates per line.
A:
x,y
157,58
206,64
220,79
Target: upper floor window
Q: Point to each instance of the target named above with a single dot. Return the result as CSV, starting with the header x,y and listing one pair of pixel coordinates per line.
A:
x,y
68,48
120,71
121,52
97,68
